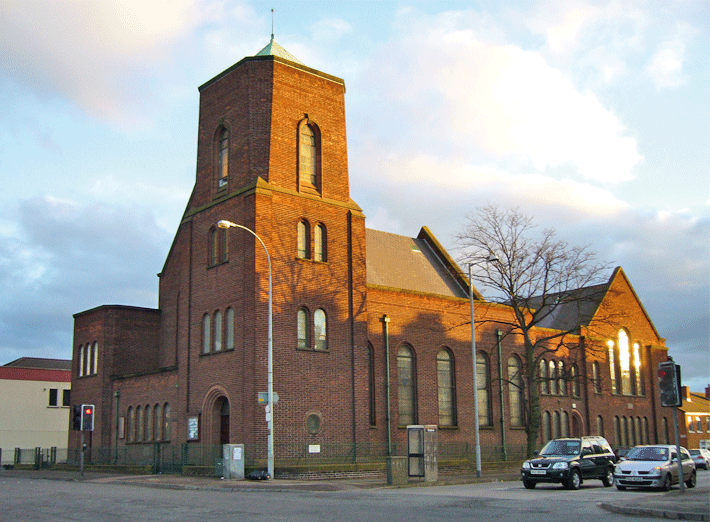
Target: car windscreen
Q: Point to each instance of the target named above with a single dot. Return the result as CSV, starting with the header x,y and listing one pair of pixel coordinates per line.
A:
x,y
694,452
650,454
561,448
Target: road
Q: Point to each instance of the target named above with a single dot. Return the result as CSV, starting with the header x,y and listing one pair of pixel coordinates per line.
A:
x,y
51,500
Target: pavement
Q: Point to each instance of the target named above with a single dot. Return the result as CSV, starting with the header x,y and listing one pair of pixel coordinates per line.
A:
x,y
692,504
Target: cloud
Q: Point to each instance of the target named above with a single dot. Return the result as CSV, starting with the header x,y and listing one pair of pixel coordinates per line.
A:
x,y
97,55
496,102
58,258
666,65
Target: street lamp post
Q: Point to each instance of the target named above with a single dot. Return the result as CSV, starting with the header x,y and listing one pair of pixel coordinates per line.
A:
x,y
270,399
489,259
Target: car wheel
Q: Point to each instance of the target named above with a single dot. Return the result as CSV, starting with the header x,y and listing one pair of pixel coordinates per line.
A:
x,y
574,480
608,479
667,483
621,488
529,484
691,481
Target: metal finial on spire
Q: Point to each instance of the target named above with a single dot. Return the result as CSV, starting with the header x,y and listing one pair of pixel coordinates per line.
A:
x,y
272,24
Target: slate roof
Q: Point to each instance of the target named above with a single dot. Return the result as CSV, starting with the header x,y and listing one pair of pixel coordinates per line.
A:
x,y
274,49
412,264
572,310
40,364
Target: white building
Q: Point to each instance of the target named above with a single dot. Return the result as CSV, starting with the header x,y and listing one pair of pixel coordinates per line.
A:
x,y
35,405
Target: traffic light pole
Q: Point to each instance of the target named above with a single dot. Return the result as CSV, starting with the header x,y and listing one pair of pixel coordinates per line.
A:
x,y
681,484
81,457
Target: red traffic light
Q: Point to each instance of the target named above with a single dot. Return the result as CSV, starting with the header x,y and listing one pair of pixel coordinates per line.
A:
x,y
87,411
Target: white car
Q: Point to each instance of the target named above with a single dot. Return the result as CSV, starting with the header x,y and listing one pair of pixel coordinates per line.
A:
x,y
654,467
701,457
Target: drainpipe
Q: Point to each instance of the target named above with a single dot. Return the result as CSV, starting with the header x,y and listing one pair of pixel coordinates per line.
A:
x,y
499,335
386,332
117,395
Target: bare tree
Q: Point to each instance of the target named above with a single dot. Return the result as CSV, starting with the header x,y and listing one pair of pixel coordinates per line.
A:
x,y
550,286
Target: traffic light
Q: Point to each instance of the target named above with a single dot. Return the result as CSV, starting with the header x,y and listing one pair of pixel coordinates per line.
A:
x,y
76,417
87,417
669,383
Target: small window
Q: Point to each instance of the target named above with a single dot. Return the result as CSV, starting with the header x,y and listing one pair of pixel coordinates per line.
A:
x,y
53,397
313,424
319,329
553,377
229,316
302,329
218,331
561,383
596,377
544,383
304,240
66,397
206,333
321,248
214,247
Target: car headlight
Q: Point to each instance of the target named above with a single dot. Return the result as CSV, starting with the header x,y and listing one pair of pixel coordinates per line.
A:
x,y
655,471
560,465
526,464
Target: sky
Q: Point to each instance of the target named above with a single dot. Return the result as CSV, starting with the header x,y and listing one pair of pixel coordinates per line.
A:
x,y
592,117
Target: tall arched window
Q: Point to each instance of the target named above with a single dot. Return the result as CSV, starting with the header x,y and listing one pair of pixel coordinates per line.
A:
x,y
81,360
406,386
546,426
646,437
319,330
320,243
561,383
229,326
308,156
556,425
157,423
544,384
483,383
223,245
214,247
596,377
206,333
625,363
617,431
87,359
515,391
638,370
446,388
223,157
139,424
552,374
574,379
166,423
565,424
148,433
218,331
600,426
304,240
302,329
371,384
612,367
130,424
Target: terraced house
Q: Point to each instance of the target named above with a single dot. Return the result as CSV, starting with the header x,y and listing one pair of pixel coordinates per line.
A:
x,y
371,330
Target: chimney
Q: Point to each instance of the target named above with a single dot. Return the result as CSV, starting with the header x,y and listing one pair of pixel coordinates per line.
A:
x,y
707,392
685,393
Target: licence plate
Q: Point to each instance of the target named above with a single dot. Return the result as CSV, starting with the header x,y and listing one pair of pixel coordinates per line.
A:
x,y
538,472
635,479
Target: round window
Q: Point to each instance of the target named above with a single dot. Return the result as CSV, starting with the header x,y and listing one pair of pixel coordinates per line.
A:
x,y
313,423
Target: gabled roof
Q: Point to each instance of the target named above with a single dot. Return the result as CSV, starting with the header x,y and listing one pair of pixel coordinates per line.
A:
x,y
571,310
40,364
414,264
274,49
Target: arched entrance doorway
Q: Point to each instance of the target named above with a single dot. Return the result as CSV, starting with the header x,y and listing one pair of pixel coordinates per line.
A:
x,y
215,415
576,425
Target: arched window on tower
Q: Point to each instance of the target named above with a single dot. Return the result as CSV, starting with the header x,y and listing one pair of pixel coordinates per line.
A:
x,y
302,329
515,391
308,145
223,157
319,330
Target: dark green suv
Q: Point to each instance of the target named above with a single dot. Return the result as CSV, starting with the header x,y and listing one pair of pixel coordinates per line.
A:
x,y
570,462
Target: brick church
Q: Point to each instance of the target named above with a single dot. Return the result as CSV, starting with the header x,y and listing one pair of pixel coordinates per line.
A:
x,y
371,330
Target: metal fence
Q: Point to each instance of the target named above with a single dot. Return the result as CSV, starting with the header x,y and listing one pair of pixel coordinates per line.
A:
x,y
173,458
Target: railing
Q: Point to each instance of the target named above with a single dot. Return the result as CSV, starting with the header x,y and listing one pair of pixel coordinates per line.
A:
x,y
172,458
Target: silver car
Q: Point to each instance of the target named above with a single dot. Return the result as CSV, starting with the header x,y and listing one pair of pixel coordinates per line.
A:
x,y
653,467
701,457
